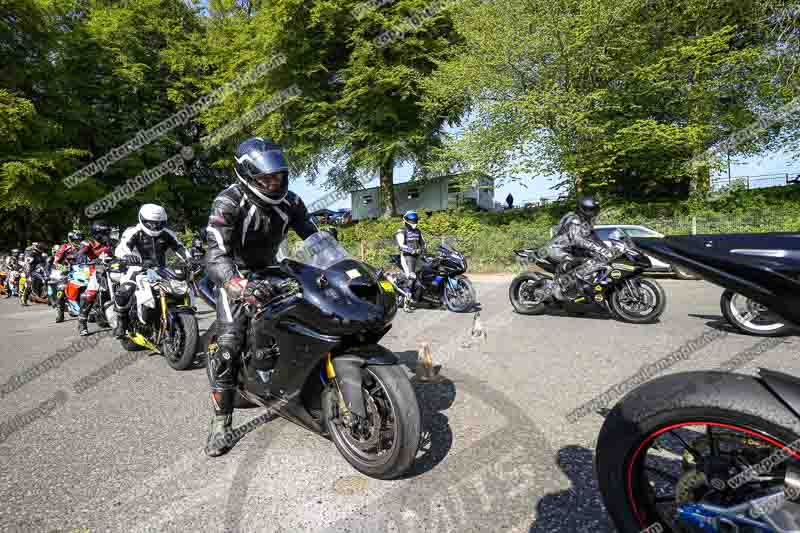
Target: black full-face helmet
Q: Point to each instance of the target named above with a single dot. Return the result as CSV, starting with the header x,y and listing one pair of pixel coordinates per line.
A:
x,y
262,168
588,209
101,231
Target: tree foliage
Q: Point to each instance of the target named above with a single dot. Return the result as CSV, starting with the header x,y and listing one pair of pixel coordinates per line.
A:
x,y
614,95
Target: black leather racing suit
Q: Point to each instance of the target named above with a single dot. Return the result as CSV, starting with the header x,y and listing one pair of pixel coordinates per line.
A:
x,y
576,237
33,258
135,241
242,237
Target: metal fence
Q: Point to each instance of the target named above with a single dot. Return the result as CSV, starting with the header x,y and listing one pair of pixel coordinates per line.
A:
x,y
756,182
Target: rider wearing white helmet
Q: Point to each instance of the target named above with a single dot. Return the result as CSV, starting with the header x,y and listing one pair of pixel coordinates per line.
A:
x,y
148,241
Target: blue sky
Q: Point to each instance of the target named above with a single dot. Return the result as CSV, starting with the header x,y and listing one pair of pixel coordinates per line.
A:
x,y
532,187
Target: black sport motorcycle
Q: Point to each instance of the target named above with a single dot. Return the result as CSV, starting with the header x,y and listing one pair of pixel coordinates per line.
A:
x,y
311,355
712,451
618,287
442,280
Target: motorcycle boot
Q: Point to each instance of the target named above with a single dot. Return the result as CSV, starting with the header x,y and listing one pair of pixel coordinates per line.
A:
x,y
122,322
220,437
60,309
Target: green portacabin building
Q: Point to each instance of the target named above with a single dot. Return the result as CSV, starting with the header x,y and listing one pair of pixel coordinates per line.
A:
x,y
438,194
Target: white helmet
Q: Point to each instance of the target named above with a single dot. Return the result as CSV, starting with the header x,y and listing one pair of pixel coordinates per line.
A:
x,y
152,219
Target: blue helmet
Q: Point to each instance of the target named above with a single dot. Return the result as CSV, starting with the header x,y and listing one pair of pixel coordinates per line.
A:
x,y
411,218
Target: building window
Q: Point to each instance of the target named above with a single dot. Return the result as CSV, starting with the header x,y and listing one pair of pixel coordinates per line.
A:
x,y
367,199
413,194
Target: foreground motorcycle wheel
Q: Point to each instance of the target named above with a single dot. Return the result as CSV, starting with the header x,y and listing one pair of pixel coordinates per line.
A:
x,y
387,446
460,298
180,353
670,443
522,293
642,308
751,317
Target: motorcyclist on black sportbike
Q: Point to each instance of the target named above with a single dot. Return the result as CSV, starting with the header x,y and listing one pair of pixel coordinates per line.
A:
x,y
412,246
90,250
33,258
575,248
248,222
149,242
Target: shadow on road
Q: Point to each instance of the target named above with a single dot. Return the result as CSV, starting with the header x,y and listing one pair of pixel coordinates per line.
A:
x,y
433,398
579,508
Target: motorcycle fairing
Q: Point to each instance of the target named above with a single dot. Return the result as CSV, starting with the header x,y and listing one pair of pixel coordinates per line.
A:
x,y
764,267
784,386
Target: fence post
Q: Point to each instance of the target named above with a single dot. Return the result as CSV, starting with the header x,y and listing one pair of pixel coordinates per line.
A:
x,y
694,226
363,253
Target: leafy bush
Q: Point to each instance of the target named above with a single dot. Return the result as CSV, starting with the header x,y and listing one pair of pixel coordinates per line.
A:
x,y
488,239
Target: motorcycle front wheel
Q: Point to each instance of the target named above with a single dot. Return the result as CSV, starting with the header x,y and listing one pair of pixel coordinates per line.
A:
x,y
461,297
385,445
751,317
642,303
181,350
670,451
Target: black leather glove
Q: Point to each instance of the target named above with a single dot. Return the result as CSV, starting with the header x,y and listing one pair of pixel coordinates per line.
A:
x,y
133,259
259,291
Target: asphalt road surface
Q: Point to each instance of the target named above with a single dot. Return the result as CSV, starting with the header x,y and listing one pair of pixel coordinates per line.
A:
x,y
122,449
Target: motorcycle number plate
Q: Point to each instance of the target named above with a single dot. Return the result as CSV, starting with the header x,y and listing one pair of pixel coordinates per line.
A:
x,y
387,286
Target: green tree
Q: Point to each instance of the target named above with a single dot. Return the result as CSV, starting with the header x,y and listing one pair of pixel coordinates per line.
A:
x,y
359,103
613,95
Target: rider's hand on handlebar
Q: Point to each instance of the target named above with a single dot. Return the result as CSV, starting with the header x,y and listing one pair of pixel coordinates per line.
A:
x,y
235,287
133,259
259,291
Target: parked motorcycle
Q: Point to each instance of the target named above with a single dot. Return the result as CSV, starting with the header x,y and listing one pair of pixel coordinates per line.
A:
x,y
751,317
618,287
442,279
311,354
163,318
712,451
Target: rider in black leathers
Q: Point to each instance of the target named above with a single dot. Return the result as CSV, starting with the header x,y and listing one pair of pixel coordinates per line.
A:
x,y
33,258
147,242
248,222
575,248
